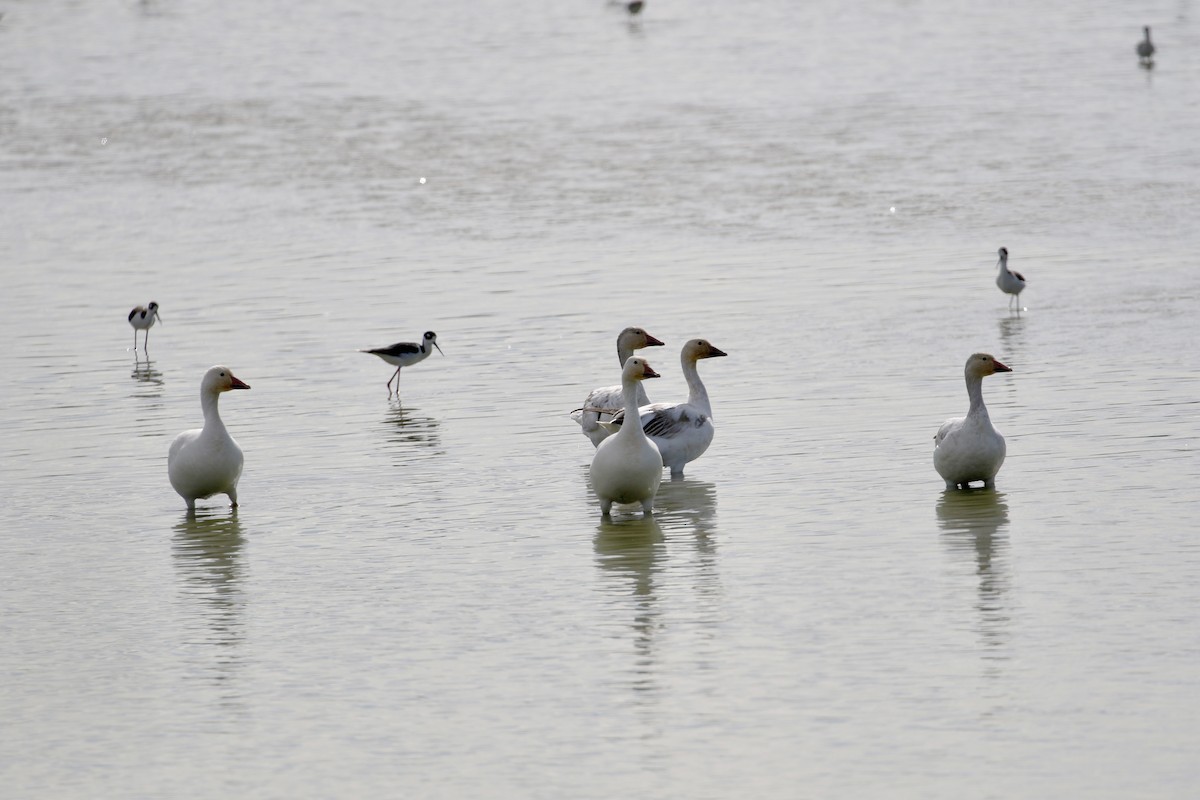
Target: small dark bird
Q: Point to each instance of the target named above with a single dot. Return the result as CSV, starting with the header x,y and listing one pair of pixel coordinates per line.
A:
x,y
635,7
1145,49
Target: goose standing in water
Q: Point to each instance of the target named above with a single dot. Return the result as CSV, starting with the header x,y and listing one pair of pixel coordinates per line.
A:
x,y
405,354
605,401
970,448
682,431
1010,282
142,318
207,461
1145,49
627,467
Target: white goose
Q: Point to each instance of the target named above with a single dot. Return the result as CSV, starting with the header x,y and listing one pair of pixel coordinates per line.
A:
x,y
970,448
627,467
604,402
682,431
1010,282
207,461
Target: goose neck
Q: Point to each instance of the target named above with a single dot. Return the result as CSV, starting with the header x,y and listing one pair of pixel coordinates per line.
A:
x,y
697,394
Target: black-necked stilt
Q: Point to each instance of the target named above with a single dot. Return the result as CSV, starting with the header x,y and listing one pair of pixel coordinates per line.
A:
x,y
405,354
142,319
1145,49
1010,282
207,461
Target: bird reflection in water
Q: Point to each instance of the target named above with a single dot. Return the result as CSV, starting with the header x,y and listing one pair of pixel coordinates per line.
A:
x,y
974,528
630,552
145,372
207,552
1012,335
408,426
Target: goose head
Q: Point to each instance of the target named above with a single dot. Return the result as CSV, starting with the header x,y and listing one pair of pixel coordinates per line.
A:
x,y
430,338
221,379
701,348
980,365
635,339
637,369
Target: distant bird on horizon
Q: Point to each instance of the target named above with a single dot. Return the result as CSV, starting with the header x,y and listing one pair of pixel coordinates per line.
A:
x,y
405,354
1145,49
1010,282
142,318
634,7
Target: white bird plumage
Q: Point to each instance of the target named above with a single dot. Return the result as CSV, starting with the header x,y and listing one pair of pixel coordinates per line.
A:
x,y
207,461
604,402
970,448
682,431
405,354
627,467
1010,282
142,318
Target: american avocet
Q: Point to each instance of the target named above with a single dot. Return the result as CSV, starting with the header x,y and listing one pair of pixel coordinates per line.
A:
x,y
1010,282
405,354
682,431
142,319
970,448
604,402
1145,49
627,467
207,461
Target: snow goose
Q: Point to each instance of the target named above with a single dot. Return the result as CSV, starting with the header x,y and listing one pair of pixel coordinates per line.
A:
x,y
1010,282
142,318
405,354
682,431
970,448
605,401
627,467
207,461
1145,49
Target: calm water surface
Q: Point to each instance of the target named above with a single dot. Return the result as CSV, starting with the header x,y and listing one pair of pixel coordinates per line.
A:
x,y
419,596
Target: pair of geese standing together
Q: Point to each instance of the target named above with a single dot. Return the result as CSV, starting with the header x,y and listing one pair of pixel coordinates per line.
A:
x,y
627,467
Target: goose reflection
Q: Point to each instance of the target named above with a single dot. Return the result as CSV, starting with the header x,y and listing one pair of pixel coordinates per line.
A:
x,y
690,502
630,555
408,426
974,525
207,553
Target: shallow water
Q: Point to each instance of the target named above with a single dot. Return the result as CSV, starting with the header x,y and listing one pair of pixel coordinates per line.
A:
x,y
419,595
